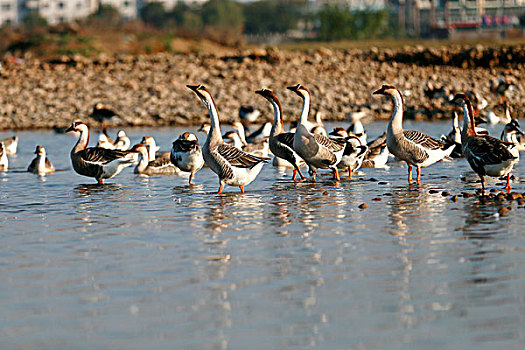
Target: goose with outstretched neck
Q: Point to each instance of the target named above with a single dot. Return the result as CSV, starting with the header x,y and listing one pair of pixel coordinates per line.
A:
x,y
318,151
233,166
413,147
281,143
97,162
486,154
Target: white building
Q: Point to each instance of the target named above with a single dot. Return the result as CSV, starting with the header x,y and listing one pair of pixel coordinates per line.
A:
x,y
8,11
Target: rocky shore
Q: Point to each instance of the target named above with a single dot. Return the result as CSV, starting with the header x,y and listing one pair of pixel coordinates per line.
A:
x,y
149,90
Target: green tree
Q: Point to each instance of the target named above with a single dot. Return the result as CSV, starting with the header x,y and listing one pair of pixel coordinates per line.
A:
x,y
270,16
222,14
33,20
153,13
106,15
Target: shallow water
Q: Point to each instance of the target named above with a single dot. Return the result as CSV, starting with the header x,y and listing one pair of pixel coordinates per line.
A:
x,y
148,262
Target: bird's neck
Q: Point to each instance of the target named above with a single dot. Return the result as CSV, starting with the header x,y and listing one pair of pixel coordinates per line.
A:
x,y
144,161
83,140
469,128
306,108
215,129
396,122
41,161
151,151
237,142
277,126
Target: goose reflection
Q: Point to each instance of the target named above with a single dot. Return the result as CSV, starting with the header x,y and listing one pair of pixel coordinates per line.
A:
x,y
235,211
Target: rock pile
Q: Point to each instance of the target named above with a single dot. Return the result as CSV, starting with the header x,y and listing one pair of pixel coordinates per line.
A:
x,y
149,90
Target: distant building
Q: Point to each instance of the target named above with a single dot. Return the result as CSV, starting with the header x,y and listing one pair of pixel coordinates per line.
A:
x,y
9,12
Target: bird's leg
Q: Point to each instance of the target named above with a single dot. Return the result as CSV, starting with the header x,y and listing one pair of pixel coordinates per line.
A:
x,y
350,172
221,187
336,174
409,173
100,181
507,187
300,173
418,175
242,189
294,173
314,175
482,186
191,178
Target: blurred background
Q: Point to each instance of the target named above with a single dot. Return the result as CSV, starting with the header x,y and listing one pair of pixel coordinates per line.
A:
x,y
89,27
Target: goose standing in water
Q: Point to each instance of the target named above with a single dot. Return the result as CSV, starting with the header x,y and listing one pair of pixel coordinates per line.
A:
x,y
186,154
10,145
377,154
486,155
4,162
354,152
281,143
317,151
122,143
159,166
232,166
513,134
97,162
41,164
413,147
153,149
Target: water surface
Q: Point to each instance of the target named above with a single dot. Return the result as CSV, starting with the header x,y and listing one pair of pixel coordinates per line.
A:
x,y
150,262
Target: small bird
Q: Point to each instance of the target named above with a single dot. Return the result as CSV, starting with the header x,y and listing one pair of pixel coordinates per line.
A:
x,y
4,162
317,151
102,114
41,165
122,143
186,154
232,166
10,145
281,143
160,166
413,147
486,154
97,162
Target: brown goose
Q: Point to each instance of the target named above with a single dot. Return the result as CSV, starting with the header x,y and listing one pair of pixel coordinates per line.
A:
x,y
232,166
97,162
486,154
159,166
317,151
4,162
41,164
186,154
354,152
281,143
413,147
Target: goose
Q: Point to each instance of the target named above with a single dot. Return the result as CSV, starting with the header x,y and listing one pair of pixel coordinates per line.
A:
x,y
262,133
249,114
317,151
102,114
41,164
260,149
160,166
4,162
453,138
311,126
486,155
10,145
413,147
513,134
356,127
377,154
105,142
122,143
97,162
232,166
499,113
186,154
205,128
281,143
354,152
153,149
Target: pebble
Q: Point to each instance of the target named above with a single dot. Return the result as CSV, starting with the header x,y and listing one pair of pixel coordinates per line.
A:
x,y
445,194
433,191
377,199
503,211
363,206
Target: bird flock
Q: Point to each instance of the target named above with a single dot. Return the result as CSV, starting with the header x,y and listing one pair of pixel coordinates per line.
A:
x,y
239,162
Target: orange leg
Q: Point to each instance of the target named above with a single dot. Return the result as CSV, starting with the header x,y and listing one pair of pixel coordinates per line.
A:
x,y
242,189
336,174
507,187
294,173
409,173
191,177
300,173
418,175
221,187
349,172
482,185
101,181
314,175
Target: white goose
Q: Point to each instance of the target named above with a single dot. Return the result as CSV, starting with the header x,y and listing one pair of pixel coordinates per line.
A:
x,y
186,154
153,149
513,134
232,166
413,147
317,151
10,145
97,162
281,143
41,164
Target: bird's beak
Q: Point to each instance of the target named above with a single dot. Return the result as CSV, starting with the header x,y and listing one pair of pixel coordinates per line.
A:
x,y
294,88
71,128
379,92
